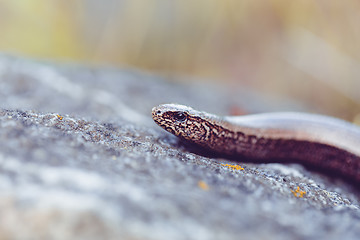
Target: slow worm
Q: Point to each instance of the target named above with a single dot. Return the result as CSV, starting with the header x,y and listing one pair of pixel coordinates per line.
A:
x,y
314,140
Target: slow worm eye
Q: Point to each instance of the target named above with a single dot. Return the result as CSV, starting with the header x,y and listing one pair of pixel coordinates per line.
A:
x,y
179,116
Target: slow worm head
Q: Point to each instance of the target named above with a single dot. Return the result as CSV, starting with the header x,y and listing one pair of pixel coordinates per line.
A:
x,y
324,142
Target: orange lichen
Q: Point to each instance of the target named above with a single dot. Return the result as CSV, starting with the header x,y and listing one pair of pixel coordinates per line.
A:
x,y
60,117
203,185
234,167
298,192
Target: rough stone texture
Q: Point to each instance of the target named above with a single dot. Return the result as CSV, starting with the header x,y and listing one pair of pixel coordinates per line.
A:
x,y
80,158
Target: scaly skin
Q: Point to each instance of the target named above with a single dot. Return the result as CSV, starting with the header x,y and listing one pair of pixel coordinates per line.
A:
x,y
324,142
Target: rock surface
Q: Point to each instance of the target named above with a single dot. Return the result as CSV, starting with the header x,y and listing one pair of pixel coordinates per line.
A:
x,y
80,158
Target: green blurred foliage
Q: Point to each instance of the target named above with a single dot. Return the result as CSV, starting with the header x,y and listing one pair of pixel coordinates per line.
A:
x,y
304,49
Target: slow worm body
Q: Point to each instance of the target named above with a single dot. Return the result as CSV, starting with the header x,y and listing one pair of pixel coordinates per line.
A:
x,y
324,142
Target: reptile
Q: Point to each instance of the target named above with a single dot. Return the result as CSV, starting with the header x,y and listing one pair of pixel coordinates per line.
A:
x,y
319,141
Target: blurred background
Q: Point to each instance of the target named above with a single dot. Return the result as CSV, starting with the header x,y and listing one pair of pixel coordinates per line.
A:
x,y
306,50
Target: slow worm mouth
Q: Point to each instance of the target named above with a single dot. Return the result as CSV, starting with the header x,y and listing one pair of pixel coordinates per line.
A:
x,y
156,118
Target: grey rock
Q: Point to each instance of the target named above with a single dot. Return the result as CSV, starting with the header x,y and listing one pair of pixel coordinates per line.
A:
x,y
80,158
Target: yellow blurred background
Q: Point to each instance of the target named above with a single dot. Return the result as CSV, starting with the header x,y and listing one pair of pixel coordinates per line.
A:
x,y
304,50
